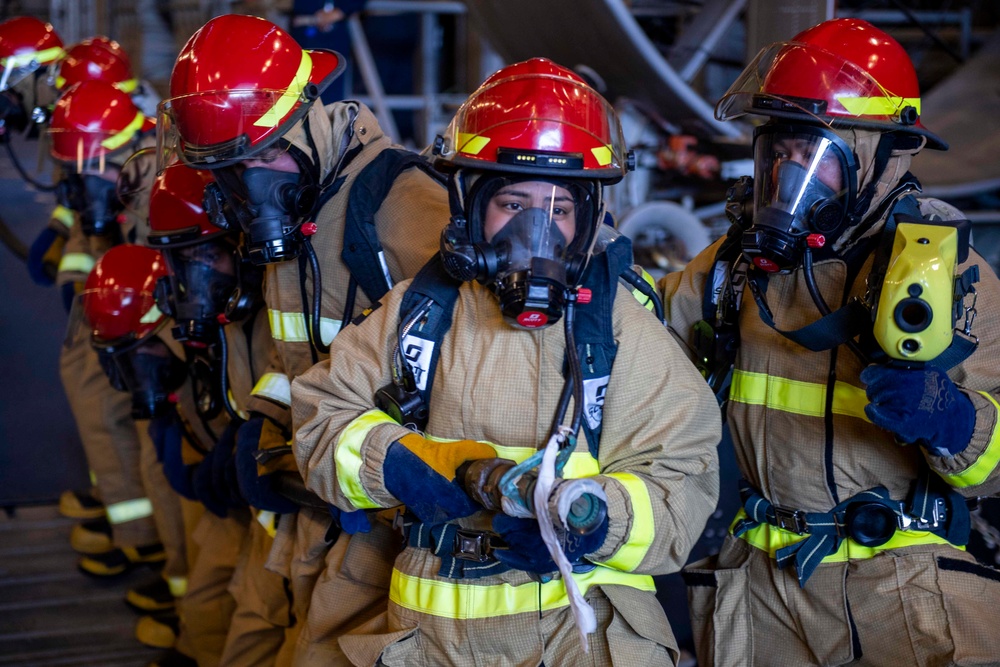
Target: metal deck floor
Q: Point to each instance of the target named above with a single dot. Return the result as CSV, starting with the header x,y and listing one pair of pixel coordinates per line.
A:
x,y
51,613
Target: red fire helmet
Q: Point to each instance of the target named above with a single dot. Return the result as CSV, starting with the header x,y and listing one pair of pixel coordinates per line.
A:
x,y
176,214
238,84
98,58
841,73
26,44
536,117
92,120
118,299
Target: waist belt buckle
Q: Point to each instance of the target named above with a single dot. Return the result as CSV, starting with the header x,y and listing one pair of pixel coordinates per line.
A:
x,y
790,520
472,545
938,516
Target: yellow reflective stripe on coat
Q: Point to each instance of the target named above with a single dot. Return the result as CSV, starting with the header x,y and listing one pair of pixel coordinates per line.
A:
x,y
795,396
63,216
646,301
291,327
178,586
274,386
78,262
640,537
348,456
269,520
980,469
771,538
129,510
448,599
289,97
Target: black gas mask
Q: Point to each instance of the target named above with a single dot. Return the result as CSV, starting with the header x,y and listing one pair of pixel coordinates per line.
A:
x,y
148,371
269,206
805,183
95,199
203,279
528,239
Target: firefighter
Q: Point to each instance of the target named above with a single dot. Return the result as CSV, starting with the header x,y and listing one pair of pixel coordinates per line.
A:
x,y
28,47
94,128
234,611
858,466
529,154
242,103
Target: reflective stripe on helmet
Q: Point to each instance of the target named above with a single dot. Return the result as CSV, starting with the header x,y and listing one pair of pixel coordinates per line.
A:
x,y
643,530
981,469
801,398
471,143
42,57
467,601
292,95
151,316
274,386
878,106
119,139
603,155
129,510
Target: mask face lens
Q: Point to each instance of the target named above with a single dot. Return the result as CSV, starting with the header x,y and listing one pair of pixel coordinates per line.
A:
x,y
803,175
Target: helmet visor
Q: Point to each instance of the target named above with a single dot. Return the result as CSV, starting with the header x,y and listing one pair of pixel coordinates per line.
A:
x,y
775,84
213,129
16,69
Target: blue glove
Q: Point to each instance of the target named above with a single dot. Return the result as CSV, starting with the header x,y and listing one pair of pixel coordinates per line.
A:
x,y
257,489
167,433
920,405
42,257
351,522
526,550
204,486
422,474
224,467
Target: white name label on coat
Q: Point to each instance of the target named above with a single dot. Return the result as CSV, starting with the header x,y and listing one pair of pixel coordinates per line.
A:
x,y
418,353
594,391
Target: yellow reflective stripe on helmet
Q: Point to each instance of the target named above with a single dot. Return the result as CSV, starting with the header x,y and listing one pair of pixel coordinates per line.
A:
x,y
178,586
643,530
119,139
472,144
348,456
269,520
771,538
878,106
274,386
980,469
603,155
449,599
801,398
291,327
128,85
288,99
63,215
129,510
152,316
77,262
43,57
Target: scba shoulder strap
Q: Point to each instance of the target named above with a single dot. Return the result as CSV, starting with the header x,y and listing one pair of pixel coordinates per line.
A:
x,y
426,316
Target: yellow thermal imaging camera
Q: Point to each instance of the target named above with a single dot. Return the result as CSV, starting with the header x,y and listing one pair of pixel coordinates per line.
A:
x,y
915,316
